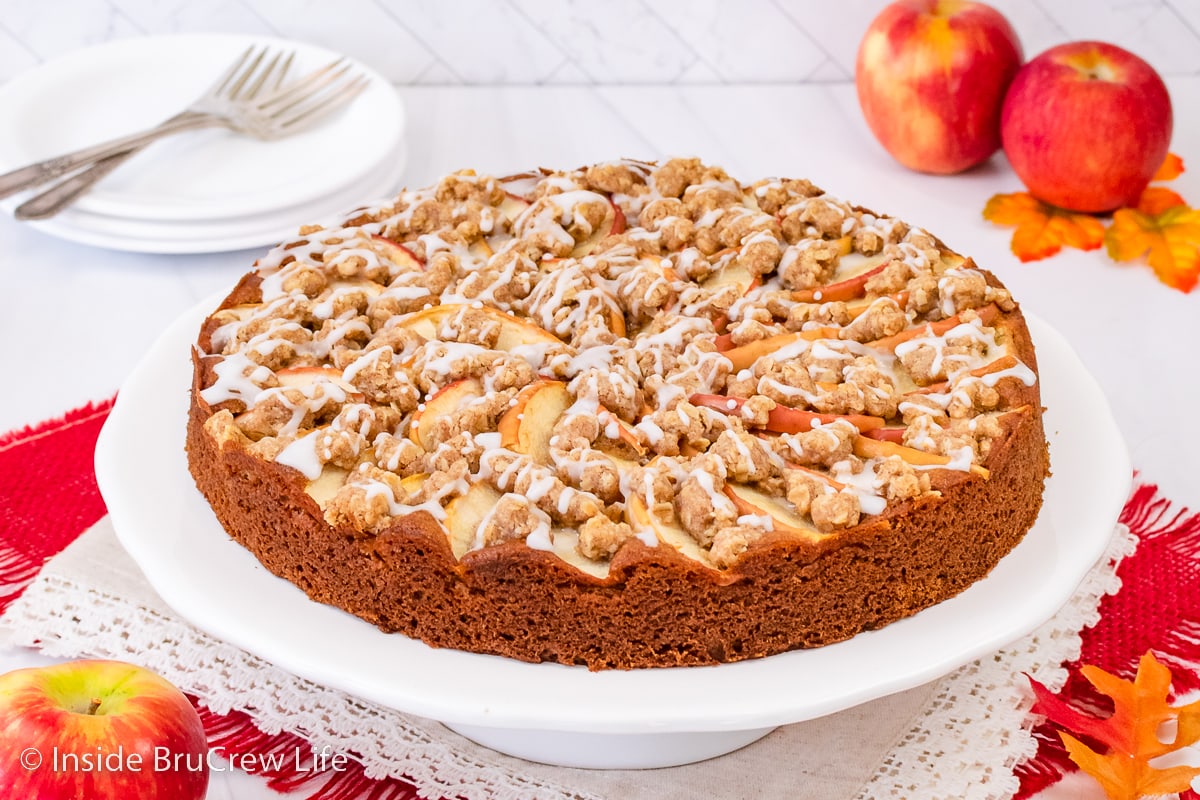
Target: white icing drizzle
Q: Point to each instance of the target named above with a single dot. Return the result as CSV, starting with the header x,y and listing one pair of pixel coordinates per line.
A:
x,y
953,364
301,454
764,521
1019,371
238,378
864,484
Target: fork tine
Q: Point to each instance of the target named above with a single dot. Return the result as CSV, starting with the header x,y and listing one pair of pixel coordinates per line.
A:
x,y
252,91
304,87
246,74
219,86
287,66
324,84
319,107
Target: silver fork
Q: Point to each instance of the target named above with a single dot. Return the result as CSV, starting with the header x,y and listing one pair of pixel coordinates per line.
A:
x,y
232,103
227,88
234,85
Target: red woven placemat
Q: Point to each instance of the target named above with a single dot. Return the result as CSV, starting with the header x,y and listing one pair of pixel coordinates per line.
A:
x,y
48,497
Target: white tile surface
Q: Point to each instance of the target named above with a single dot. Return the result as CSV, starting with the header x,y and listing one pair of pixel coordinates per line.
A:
x,y
746,41
1149,28
461,32
180,16
15,56
47,29
451,42
344,26
597,38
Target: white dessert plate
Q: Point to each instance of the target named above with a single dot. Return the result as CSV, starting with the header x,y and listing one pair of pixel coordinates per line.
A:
x,y
567,715
216,236
119,87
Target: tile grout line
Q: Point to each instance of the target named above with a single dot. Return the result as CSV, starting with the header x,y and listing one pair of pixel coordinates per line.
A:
x,y
553,43
1170,5
1053,21
265,22
697,56
21,43
830,57
433,53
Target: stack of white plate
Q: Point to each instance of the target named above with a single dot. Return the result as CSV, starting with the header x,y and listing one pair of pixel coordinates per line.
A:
x,y
202,191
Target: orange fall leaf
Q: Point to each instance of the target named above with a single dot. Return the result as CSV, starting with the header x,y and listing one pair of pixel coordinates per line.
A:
x,y
1172,168
1043,230
1168,236
1157,199
1130,736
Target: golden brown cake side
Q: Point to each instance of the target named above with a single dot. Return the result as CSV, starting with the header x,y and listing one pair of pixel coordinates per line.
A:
x,y
895,538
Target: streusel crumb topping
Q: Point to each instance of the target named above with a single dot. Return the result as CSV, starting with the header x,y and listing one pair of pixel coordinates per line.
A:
x,y
629,351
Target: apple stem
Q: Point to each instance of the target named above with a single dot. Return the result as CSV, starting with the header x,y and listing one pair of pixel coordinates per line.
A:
x,y
95,705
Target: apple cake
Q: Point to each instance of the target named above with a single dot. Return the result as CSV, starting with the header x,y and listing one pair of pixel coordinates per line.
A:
x,y
630,415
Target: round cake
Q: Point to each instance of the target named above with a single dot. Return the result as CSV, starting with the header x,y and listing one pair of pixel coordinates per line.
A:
x,y
631,415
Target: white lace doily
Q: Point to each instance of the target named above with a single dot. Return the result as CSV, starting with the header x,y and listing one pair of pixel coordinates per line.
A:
x,y
958,737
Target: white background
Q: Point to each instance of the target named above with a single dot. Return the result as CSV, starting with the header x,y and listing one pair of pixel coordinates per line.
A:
x,y
759,87
454,42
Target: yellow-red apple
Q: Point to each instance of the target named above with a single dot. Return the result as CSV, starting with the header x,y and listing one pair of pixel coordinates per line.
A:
x,y
104,730
931,77
1085,125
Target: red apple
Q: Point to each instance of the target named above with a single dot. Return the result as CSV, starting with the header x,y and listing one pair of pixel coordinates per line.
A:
x,y
103,730
1085,125
931,77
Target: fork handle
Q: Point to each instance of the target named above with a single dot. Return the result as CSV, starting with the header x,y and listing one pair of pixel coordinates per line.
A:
x,y
36,174
67,191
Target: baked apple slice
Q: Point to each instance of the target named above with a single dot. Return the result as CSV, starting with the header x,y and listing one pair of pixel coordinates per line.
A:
x,y
397,253
528,425
668,533
987,315
1006,366
857,307
514,332
464,514
618,435
731,274
744,356
450,399
868,447
782,419
612,225
512,206
850,286
751,501
326,485
299,377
